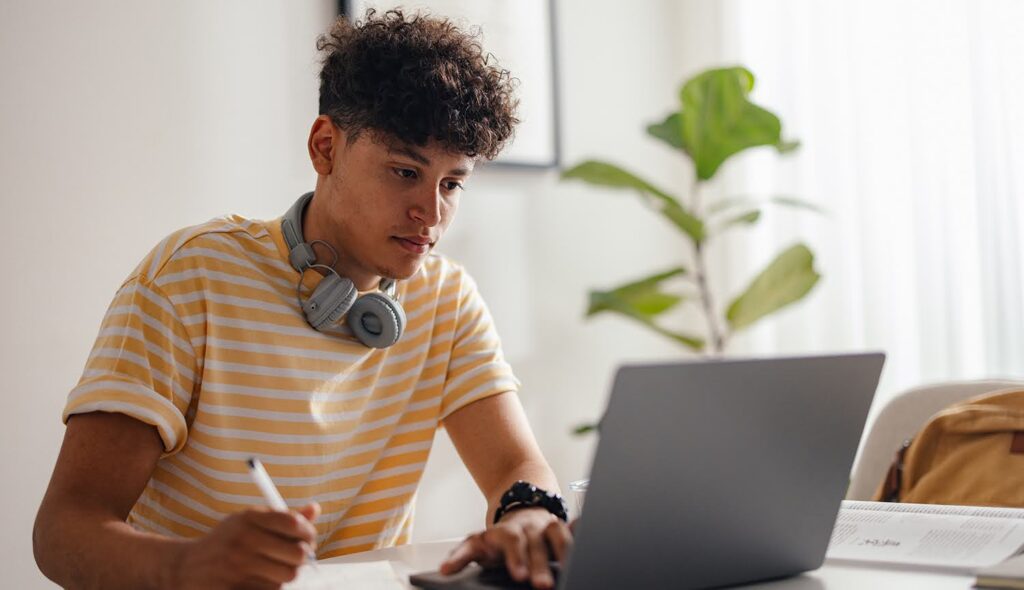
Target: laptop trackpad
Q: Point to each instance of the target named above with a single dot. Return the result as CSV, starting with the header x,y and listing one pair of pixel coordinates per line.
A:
x,y
472,578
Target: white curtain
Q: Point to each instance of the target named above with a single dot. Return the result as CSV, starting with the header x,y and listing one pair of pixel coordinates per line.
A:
x,y
911,118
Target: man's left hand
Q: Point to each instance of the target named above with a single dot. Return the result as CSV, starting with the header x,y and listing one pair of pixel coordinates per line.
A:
x,y
525,539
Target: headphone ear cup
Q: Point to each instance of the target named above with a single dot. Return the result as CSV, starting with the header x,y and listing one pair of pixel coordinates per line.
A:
x,y
330,300
377,320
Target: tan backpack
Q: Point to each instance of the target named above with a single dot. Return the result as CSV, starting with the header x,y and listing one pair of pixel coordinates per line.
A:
x,y
971,453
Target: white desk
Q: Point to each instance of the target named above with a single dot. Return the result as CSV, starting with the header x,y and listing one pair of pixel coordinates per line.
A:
x,y
420,557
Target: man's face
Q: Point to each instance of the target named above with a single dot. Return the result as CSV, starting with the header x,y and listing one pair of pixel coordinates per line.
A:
x,y
388,203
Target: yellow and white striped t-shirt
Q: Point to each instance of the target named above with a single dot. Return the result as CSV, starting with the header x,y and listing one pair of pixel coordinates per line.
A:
x,y
206,342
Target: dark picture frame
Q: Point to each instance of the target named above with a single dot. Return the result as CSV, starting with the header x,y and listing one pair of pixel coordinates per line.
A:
x,y
521,34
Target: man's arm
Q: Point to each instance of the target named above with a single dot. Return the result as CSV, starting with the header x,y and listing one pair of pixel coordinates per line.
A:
x,y
81,539
495,442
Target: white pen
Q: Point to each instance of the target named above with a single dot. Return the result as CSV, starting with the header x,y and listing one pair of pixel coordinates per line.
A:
x,y
271,495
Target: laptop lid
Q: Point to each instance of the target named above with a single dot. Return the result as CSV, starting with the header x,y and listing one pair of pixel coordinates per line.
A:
x,y
711,473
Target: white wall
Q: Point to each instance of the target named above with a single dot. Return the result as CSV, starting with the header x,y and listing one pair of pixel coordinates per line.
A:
x,y
122,121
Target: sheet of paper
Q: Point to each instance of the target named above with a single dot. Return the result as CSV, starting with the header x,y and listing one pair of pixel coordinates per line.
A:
x,y
374,575
958,542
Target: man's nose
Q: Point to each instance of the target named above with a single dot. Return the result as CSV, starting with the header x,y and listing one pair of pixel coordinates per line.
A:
x,y
427,208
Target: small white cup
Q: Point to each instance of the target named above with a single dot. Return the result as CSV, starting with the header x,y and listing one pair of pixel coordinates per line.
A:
x,y
579,491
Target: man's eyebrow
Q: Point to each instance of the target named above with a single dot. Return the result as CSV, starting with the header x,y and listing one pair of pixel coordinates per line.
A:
x,y
411,153
418,157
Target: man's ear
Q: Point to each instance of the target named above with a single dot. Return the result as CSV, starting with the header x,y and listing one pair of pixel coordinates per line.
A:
x,y
324,140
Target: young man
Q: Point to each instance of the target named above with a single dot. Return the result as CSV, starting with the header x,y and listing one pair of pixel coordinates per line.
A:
x,y
208,354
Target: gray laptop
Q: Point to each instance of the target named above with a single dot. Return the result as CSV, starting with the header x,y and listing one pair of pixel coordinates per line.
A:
x,y
714,473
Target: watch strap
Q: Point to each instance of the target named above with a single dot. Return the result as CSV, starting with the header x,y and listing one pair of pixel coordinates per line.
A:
x,y
524,494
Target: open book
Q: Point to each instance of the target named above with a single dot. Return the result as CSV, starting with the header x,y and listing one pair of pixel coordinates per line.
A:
x,y
927,536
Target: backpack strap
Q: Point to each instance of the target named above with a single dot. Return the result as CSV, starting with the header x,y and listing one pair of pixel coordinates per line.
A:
x,y
1017,444
890,491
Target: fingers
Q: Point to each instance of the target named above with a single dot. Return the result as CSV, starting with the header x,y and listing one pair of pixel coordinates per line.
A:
x,y
559,539
253,548
285,524
526,551
537,550
511,542
311,511
460,557
275,547
472,549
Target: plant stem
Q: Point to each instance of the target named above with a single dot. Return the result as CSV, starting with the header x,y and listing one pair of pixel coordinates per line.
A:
x,y
700,264
717,340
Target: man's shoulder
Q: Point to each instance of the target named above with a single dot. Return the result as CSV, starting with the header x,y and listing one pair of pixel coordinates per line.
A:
x,y
199,244
440,271
439,279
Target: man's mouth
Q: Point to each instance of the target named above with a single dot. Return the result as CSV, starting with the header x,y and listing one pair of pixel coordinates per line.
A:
x,y
415,244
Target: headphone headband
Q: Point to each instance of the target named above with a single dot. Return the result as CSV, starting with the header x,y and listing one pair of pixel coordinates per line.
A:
x,y
300,254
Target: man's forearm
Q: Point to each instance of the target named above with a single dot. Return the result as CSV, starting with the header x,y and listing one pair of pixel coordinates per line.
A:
x,y
77,549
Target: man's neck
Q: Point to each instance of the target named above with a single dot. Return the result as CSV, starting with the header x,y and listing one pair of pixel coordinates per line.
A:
x,y
314,230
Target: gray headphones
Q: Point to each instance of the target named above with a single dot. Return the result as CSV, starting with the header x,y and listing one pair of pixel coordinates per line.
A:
x,y
376,319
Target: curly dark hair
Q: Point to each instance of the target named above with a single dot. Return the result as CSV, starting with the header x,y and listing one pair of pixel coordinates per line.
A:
x,y
416,78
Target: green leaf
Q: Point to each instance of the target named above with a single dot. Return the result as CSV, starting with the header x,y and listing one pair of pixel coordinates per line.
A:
x,y
640,298
746,218
610,175
691,225
670,130
690,341
647,305
785,147
582,429
642,301
786,280
694,343
718,120
798,204
727,203
749,218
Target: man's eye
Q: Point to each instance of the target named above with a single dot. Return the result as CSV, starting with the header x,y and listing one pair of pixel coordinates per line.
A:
x,y
452,185
405,172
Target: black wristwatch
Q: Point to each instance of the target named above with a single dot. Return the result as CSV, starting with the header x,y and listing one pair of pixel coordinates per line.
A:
x,y
524,494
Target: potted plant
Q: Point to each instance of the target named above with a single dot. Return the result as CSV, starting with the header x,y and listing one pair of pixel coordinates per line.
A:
x,y
715,121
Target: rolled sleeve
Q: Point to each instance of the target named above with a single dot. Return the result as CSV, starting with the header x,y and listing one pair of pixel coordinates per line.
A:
x,y
141,365
477,368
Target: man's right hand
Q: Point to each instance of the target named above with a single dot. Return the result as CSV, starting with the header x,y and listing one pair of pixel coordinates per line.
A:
x,y
259,548
81,538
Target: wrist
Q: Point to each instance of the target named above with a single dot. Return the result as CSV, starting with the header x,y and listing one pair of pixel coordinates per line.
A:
x,y
169,571
524,495
526,512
